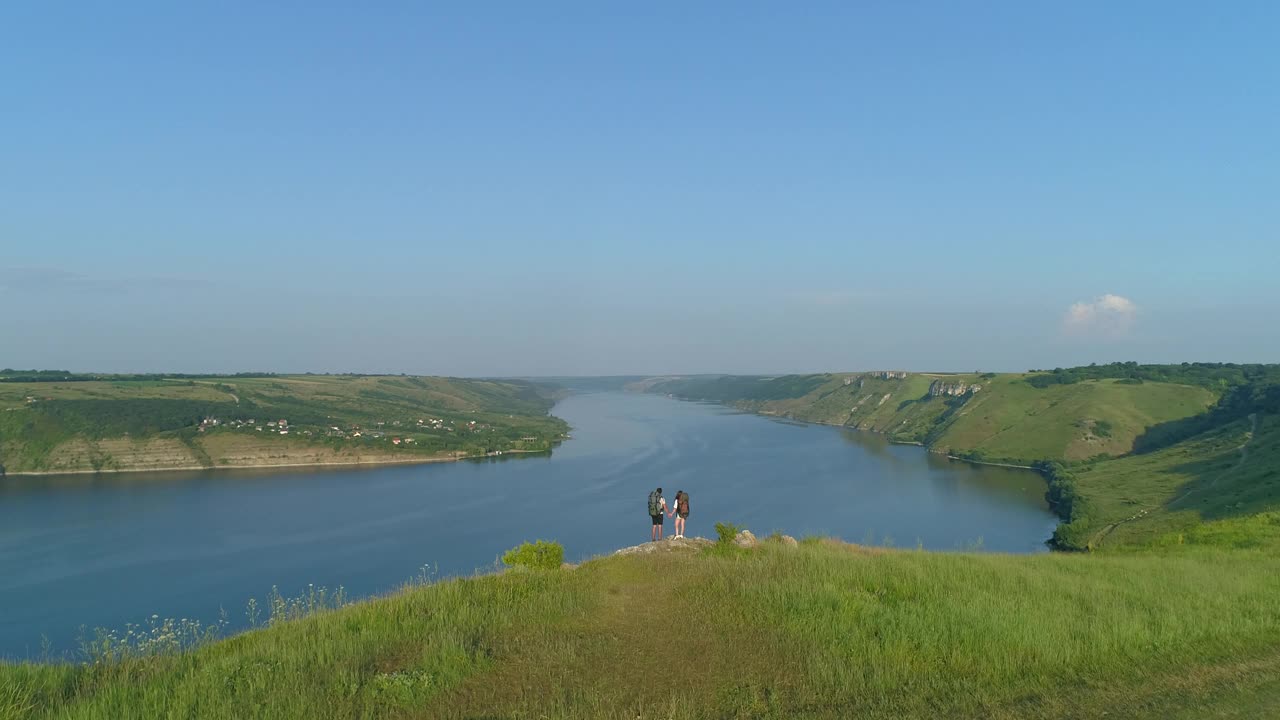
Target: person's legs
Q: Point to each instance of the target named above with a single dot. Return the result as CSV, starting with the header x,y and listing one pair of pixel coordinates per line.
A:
x,y
679,526
653,530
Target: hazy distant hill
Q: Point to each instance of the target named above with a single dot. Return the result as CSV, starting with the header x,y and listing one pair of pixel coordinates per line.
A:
x,y
992,417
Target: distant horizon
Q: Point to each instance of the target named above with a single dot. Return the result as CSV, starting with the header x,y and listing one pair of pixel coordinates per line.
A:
x,y
552,376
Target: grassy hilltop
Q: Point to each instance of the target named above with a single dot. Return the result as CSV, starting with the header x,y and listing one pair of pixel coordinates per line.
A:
x,y
818,630
59,422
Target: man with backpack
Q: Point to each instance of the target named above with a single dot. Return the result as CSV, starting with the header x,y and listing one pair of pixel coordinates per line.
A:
x,y
657,509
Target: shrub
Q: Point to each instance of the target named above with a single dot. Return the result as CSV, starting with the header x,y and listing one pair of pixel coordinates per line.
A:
x,y
726,532
1065,500
540,554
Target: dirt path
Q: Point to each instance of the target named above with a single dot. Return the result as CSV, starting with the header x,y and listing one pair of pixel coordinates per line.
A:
x,y
992,464
215,385
622,650
1244,455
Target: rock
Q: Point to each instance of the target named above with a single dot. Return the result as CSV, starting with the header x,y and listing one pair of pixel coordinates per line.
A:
x,y
745,539
789,541
670,544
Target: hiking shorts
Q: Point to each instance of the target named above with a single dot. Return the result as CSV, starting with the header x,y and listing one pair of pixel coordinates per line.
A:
x,y
657,519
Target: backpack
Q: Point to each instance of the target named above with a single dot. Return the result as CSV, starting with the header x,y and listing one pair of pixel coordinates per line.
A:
x,y
684,503
655,507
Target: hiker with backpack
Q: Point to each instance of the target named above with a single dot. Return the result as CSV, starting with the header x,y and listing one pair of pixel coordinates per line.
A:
x,y
681,512
657,508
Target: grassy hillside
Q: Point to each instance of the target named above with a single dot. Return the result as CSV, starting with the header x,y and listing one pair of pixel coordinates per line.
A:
x,y
152,422
1185,493
1133,454
1011,419
822,630
1007,420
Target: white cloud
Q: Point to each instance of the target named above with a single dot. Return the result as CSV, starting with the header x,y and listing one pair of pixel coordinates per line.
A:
x,y
1107,315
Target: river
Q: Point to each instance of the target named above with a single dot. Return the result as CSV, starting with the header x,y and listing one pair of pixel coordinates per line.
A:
x,y
113,549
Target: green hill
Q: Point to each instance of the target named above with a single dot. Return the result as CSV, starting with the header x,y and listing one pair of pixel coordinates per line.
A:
x,y
1007,419
1133,454
51,422
819,630
1208,489
1011,419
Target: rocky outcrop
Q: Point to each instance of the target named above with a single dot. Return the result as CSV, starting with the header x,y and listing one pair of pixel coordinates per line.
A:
x,y
745,539
938,388
877,375
671,544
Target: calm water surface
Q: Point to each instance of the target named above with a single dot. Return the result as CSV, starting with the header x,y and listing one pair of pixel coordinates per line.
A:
x,y
112,549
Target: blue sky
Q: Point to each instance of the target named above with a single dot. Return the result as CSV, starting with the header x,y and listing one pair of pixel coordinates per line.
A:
x,y
595,188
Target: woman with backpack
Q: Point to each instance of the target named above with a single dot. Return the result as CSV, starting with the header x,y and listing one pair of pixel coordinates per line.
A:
x,y
681,510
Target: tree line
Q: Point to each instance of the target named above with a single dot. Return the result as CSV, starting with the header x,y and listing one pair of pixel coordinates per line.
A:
x,y
1217,376
10,375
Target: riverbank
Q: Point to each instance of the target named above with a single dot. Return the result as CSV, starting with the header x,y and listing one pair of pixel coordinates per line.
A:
x,y
820,629
989,464
131,423
370,527
337,464
886,436
1131,454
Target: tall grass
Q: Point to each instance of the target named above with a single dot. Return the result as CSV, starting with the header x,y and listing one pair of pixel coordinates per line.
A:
x,y
819,630
361,660
909,633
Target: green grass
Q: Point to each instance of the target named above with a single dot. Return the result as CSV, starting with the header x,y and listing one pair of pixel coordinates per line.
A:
x,y
1011,419
823,630
1168,496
